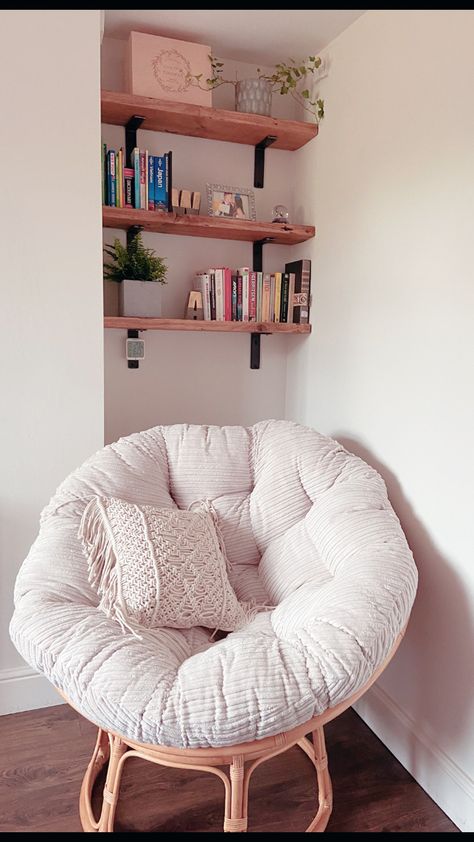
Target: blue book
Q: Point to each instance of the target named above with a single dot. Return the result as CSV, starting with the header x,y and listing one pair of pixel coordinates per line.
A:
x,y
151,182
136,169
160,184
111,192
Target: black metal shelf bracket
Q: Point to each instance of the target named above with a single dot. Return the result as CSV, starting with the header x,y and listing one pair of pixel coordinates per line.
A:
x,y
131,234
257,253
259,166
131,136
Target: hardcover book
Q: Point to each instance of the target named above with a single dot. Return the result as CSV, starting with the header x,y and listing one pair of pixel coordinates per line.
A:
x,y
302,289
128,178
151,182
161,200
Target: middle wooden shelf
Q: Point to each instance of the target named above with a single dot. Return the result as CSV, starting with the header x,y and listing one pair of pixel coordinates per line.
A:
x,y
207,226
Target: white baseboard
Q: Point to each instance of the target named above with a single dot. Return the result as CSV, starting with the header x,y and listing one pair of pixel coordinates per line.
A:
x,y
444,781
21,688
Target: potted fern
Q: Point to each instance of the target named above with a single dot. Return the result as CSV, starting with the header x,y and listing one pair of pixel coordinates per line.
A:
x,y
140,273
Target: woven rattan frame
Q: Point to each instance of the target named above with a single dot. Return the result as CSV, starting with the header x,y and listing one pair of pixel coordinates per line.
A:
x,y
242,760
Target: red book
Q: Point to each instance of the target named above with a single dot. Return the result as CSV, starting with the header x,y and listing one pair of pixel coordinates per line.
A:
x,y
253,297
227,294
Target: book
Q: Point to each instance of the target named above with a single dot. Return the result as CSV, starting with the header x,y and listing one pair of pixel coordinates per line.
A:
x,y
277,304
160,184
234,298
302,290
104,173
204,285
239,298
259,295
146,179
151,182
291,295
285,284
219,285
212,295
266,289
244,271
168,179
111,177
143,180
271,306
252,297
227,294
128,178
136,180
119,179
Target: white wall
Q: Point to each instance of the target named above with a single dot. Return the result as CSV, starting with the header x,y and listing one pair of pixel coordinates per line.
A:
x,y
389,368
202,378
51,408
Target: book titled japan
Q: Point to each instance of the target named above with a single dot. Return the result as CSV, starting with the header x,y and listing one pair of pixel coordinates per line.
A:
x,y
302,290
161,202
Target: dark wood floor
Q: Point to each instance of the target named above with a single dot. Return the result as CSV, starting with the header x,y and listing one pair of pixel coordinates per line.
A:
x,y
43,755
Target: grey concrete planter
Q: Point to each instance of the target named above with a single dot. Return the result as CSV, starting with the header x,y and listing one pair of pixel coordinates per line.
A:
x,y
140,298
254,96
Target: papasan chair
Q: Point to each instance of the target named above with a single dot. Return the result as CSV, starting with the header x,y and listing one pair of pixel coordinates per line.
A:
x,y
307,527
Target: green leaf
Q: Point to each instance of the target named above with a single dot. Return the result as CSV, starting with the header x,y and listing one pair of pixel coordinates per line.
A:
x,y
305,94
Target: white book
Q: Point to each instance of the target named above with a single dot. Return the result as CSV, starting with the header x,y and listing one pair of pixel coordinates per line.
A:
x,y
204,282
245,272
220,302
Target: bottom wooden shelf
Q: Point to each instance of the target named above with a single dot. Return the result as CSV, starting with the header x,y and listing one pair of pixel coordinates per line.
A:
x,y
141,323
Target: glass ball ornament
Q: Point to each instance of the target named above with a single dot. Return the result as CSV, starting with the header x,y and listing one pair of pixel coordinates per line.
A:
x,y
280,214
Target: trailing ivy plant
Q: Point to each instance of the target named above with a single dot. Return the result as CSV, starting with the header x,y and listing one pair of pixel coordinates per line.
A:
x,y
288,78
134,262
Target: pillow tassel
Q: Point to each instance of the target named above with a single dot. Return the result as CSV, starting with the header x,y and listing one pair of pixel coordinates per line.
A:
x,y
102,563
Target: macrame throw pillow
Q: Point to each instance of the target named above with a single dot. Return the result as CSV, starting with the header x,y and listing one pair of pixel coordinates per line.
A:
x,y
160,567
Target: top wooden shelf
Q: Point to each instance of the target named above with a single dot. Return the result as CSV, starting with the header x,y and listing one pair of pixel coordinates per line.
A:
x,y
200,121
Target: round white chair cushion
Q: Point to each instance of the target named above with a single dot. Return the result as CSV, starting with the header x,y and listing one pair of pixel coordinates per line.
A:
x,y
307,527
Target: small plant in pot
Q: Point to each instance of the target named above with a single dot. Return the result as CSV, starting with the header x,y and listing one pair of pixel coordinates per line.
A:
x,y
254,96
140,273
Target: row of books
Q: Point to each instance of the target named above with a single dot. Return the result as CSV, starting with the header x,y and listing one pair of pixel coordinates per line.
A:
x,y
243,295
145,185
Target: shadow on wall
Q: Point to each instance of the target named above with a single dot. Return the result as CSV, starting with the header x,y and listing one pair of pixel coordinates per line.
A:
x,y
436,656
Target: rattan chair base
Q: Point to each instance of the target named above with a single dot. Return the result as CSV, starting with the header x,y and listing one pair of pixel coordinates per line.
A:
x,y
241,760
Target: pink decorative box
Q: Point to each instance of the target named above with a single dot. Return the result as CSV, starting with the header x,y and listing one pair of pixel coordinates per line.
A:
x,y
159,67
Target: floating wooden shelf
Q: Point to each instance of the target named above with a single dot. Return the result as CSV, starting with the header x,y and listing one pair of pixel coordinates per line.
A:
x,y
207,226
201,121
141,323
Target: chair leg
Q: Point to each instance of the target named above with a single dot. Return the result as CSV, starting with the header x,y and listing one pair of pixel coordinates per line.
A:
x,y
112,785
318,825
237,821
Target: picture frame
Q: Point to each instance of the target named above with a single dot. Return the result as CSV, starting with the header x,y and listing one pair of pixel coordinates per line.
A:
x,y
231,202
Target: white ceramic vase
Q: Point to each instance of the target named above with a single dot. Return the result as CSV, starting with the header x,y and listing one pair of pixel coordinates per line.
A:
x,y
254,96
140,298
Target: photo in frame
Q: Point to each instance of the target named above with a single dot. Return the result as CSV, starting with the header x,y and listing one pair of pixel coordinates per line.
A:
x,y
230,202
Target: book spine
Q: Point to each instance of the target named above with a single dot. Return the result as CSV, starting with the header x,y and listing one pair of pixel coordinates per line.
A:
x,y
111,176
234,298
151,182
266,289
206,300
120,178
245,295
277,305
291,296
142,181
302,290
128,177
212,291
146,179
271,314
285,281
252,297
160,184
219,281
259,295
168,185
104,173
136,180
239,298
227,295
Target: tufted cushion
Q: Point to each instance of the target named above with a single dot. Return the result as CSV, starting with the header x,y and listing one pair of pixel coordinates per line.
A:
x,y
307,527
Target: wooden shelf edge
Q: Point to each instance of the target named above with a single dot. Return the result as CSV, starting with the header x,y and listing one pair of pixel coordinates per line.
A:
x,y
143,323
245,230
203,121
